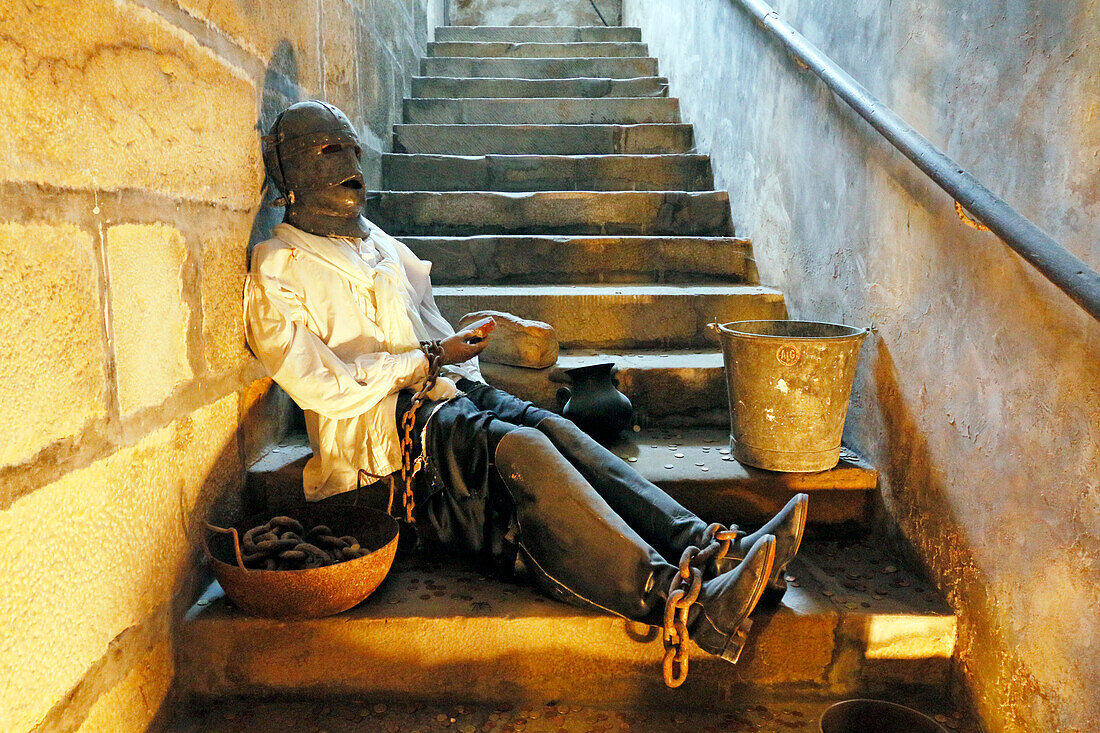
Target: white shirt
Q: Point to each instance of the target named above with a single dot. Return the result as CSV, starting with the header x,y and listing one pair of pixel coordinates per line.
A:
x,y
337,323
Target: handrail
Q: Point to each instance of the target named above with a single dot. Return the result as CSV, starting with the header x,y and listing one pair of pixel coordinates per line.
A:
x,y
1068,272
602,19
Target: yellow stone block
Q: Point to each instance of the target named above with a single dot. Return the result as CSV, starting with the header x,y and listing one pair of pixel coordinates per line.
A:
x,y
340,52
100,550
289,29
224,265
905,636
148,313
108,95
52,375
130,706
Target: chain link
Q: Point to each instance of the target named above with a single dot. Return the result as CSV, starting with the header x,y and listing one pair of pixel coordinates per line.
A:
x,y
434,351
717,540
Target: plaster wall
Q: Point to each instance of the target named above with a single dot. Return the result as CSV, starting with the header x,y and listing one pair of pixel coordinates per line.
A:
x,y
130,191
978,395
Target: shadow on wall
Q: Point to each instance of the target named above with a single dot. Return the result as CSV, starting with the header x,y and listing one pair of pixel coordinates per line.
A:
x,y
280,90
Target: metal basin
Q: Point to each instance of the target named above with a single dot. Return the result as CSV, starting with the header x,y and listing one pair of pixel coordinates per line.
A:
x,y
876,716
315,592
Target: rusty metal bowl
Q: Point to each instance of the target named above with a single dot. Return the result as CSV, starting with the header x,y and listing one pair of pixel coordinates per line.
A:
x,y
876,716
314,592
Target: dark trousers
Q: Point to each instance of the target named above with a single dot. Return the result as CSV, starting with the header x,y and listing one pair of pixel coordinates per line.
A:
x,y
505,477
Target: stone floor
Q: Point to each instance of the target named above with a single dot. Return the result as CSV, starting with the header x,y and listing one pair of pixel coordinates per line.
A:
x,y
364,716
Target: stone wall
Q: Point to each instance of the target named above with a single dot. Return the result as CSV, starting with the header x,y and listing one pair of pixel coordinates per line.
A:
x,y
130,183
978,396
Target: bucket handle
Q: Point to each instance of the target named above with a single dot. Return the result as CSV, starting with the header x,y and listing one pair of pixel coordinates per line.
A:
x,y
236,542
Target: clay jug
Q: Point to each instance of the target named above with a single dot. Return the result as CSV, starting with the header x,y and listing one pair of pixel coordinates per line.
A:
x,y
594,403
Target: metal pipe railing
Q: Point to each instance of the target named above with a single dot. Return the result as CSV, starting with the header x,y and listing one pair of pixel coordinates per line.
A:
x,y
1067,271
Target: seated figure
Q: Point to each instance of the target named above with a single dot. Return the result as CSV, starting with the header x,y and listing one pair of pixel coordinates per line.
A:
x,y
337,311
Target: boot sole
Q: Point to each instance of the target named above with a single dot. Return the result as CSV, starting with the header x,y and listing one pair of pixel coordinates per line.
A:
x,y
731,644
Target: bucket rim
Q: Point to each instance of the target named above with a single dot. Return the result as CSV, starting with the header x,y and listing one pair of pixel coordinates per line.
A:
x,y
856,701
726,329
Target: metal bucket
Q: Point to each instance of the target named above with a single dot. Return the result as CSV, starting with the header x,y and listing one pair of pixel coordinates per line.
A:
x,y
314,592
876,716
788,384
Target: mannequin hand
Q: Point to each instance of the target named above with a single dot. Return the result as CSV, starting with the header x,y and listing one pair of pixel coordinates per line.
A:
x,y
457,348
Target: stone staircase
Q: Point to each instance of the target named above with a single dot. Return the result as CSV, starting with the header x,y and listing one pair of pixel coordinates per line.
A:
x,y
546,172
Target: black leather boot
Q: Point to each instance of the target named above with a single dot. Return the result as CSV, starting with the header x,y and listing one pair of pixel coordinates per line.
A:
x,y
722,622
658,518
580,551
787,527
577,548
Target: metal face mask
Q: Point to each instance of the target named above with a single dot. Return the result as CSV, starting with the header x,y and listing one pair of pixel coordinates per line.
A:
x,y
312,155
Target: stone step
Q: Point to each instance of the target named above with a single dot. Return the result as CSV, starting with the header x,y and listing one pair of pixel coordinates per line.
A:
x,y
550,111
619,316
539,33
854,621
384,713
671,387
536,50
543,139
449,87
615,68
520,259
420,172
705,213
841,498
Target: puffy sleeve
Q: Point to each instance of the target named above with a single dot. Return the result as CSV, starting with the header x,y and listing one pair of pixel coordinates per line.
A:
x,y
418,272
300,362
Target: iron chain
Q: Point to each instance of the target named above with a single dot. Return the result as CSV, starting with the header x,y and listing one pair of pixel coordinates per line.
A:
x,y
434,351
684,591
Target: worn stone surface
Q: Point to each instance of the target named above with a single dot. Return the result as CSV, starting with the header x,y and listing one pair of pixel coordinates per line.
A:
x,y
107,545
426,623
515,341
513,259
613,110
441,86
340,57
561,68
149,316
537,50
126,101
265,415
539,33
224,264
726,490
407,172
284,37
131,705
731,492
534,12
396,715
53,358
618,316
543,139
553,212
972,397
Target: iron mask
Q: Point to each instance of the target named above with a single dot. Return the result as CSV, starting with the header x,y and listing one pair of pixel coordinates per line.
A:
x,y
312,156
